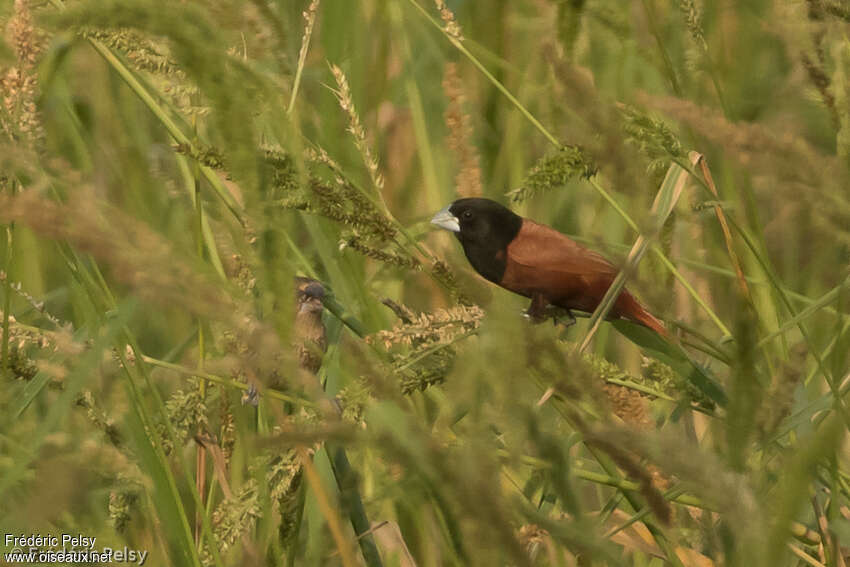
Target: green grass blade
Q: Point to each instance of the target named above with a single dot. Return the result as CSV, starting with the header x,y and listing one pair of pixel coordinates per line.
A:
x,y
669,193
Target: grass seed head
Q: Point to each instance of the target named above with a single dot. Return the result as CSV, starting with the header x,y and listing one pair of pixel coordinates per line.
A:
x,y
553,171
460,134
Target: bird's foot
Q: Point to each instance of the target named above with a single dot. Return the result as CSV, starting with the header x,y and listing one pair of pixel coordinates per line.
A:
x,y
563,317
537,309
558,315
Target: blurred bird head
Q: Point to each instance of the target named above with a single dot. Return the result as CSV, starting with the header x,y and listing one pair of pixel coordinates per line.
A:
x,y
308,295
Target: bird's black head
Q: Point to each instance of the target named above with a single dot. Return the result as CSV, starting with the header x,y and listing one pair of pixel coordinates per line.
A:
x,y
484,228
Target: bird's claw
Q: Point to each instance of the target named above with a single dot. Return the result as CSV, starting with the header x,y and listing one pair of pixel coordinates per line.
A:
x,y
570,321
558,315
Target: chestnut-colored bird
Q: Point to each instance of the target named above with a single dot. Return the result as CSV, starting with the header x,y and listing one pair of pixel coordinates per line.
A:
x,y
537,261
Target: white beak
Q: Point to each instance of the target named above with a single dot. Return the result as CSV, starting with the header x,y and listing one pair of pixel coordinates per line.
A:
x,y
444,219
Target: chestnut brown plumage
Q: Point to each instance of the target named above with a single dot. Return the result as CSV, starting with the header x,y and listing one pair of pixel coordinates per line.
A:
x,y
536,261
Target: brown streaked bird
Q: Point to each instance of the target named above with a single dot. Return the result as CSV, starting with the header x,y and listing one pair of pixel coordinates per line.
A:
x,y
311,340
537,261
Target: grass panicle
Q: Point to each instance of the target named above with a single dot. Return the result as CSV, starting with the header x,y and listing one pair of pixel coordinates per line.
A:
x,y
20,118
449,22
355,128
652,137
429,337
554,171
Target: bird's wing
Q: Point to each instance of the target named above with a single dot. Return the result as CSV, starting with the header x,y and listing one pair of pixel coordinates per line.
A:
x,y
541,260
542,248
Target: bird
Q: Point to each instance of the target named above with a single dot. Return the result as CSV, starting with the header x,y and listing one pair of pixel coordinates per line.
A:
x,y
311,339
537,261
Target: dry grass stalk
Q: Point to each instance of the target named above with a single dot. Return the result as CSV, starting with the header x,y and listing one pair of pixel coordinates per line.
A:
x,y
309,22
724,225
36,304
356,129
459,124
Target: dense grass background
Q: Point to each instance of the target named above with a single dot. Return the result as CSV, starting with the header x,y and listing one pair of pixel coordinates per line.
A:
x,y
167,167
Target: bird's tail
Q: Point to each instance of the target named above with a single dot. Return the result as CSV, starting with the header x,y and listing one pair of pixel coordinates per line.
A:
x,y
630,308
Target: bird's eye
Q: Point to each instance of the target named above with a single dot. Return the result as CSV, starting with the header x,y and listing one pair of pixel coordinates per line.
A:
x,y
467,215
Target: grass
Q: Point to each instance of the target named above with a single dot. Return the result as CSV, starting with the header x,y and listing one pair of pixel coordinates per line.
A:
x,y
167,168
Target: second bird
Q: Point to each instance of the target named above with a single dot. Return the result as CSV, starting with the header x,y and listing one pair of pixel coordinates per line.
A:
x,y
311,340
536,261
